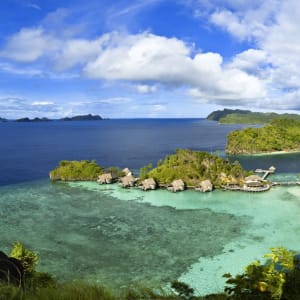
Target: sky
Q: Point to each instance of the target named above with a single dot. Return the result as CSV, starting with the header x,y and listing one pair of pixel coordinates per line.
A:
x,y
148,58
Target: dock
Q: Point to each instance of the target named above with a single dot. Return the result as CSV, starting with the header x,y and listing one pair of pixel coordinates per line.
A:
x,y
271,170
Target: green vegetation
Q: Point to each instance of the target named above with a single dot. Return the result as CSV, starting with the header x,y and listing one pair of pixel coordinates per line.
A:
x,y
279,135
28,258
278,279
193,167
76,170
237,116
219,114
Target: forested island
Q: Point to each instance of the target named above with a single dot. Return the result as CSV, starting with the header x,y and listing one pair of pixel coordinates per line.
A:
x,y
279,135
238,116
193,169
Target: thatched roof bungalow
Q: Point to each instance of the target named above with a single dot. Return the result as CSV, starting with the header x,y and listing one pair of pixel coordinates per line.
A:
x,y
253,181
127,181
148,184
105,178
127,172
176,186
204,186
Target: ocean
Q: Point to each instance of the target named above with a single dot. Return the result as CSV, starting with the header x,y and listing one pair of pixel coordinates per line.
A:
x,y
121,237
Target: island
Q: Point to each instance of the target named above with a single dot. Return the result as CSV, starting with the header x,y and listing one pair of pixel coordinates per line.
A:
x,y
196,169
2,119
84,170
281,135
238,116
185,168
88,117
33,120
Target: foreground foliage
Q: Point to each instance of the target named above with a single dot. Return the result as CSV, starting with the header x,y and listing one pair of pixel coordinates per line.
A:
x,y
76,170
194,166
279,135
278,279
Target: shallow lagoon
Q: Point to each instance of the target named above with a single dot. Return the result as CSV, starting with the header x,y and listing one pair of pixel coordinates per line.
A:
x,y
119,237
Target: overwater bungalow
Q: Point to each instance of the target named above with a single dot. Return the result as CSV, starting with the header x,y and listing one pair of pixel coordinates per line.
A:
x,y
127,181
148,184
204,186
106,178
253,181
176,186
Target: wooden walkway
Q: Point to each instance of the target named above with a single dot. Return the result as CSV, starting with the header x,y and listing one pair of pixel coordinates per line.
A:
x,y
266,172
248,189
285,183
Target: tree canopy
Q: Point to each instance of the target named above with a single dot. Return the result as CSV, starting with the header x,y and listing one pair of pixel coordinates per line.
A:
x,y
194,166
279,135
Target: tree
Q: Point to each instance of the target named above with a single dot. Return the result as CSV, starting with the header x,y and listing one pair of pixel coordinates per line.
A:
x,y
264,280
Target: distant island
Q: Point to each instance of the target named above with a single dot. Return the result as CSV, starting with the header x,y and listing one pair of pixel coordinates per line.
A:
x,y
88,117
33,120
281,135
2,119
238,116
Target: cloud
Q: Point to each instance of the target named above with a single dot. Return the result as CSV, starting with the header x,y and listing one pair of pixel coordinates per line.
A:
x,y
77,51
251,60
17,107
28,45
150,58
34,6
146,89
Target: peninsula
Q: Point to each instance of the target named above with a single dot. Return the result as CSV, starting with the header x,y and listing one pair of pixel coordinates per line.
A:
x,y
238,116
281,135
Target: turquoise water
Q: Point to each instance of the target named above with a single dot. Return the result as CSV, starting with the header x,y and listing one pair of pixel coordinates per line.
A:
x,y
119,237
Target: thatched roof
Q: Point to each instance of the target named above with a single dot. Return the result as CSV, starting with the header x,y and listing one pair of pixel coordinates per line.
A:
x,y
253,178
148,184
206,185
177,185
127,172
127,181
105,178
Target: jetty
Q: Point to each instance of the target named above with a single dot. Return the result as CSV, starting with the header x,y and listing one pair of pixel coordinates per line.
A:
x,y
271,170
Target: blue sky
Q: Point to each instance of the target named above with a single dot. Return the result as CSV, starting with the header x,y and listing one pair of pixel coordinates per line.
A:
x,y
148,58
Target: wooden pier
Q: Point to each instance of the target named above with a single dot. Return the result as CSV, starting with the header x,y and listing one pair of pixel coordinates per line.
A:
x,y
271,170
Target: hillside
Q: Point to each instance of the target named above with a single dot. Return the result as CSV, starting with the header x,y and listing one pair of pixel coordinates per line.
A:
x,y
279,135
230,116
193,167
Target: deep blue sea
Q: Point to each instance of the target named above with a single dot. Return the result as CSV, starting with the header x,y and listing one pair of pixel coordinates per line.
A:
x,y
118,237
29,150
